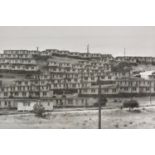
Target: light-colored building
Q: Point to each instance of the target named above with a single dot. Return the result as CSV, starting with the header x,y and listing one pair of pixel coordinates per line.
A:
x,y
21,52
74,101
28,105
8,104
139,60
136,86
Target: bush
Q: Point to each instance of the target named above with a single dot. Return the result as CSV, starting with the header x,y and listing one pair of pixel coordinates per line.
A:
x,y
63,96
115,100
103,101
38,109
131,104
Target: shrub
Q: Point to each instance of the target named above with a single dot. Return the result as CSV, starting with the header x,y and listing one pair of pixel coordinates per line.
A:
x,y
115,100
131,104
38,109
103,101
63,96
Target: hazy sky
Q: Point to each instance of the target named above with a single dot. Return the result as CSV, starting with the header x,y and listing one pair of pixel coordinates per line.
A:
x,y
137,40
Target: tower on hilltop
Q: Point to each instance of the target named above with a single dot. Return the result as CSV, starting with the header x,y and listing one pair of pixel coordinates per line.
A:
x,y
37,48
88,49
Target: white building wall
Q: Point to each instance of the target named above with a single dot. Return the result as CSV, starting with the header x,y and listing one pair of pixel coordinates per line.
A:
x,y
28,105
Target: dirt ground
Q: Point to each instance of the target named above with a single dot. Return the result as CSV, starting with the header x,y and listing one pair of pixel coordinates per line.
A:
x,y
86,119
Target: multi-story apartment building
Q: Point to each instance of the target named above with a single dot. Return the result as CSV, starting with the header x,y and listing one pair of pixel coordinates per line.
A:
x,y
18,67
128,59
139,60
8,103
26,89
77,55
18,60
136,85
55,52
74,101
125,86
21,52
81,77
27,105
106,90
15,56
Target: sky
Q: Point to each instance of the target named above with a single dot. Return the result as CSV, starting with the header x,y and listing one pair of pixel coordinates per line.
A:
x,y
138,41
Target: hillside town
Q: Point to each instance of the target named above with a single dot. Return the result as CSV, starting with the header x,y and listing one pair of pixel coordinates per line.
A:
x,y
61,79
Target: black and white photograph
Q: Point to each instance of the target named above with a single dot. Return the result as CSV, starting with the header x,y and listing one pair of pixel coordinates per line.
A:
x,y
77,77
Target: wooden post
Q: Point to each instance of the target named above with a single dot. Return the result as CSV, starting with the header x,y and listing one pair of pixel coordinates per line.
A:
x,y
150,93
99,104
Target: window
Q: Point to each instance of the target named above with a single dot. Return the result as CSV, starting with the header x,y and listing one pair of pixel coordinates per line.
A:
x,y
75,80
44,93
85,90
82,100
23,87
5,103
70,101
109,77
24,94
126,88
16,93
19,88
26,82
60,75
74,85
5,94
9,103
147,89
92,78
130,83
134,88
85,78
113,90
106,90
93,90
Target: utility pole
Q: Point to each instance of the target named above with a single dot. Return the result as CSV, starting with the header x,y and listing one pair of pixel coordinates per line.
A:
x,y
88,49
124,52
150,93
99,103
65,87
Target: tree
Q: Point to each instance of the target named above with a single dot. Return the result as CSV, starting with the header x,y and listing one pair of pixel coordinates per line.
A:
x,y
122,67
131,104
38,109
103,101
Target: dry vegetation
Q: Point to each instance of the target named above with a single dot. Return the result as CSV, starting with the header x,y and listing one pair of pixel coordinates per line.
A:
x,y
116,118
